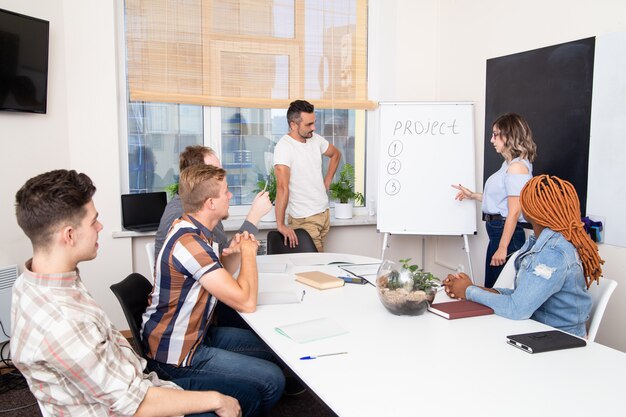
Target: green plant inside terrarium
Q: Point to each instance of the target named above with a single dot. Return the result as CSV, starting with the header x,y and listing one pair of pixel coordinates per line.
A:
x,y
422,280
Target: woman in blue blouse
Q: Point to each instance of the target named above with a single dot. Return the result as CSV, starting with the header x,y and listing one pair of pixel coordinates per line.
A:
x,y
512,138
554,268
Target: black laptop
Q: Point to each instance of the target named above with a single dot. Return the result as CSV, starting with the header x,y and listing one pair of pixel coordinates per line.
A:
x,y
142,212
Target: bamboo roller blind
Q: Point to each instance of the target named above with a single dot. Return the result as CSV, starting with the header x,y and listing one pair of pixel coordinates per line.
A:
x,y
248,53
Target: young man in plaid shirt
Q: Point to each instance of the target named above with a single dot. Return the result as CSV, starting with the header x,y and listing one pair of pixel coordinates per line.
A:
x,y
76,363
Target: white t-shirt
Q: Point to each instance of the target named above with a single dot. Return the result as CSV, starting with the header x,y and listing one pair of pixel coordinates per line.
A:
x,y
307,194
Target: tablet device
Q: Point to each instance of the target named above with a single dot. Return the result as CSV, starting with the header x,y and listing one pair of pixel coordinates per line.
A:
x,y
545,341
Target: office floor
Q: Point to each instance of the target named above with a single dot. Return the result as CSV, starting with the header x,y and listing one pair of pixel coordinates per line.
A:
x,y
22,403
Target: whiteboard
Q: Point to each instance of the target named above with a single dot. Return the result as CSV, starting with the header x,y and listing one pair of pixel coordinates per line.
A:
x,y
424,148
607,147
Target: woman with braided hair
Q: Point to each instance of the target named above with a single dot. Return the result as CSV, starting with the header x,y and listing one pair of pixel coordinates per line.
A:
x,y
554,268
512,139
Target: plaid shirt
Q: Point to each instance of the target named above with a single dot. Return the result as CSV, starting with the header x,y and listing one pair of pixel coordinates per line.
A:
x,y
76,363
180,309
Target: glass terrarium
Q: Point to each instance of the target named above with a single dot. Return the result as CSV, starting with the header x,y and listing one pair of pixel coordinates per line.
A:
x,y
405,289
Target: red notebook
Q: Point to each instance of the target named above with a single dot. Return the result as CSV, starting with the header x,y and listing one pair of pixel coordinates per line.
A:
x,y
459,309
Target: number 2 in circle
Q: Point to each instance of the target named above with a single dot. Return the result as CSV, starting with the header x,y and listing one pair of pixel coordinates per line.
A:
x,y
393,167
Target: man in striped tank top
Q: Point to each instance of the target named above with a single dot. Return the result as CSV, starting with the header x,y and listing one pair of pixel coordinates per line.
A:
x,y
190,278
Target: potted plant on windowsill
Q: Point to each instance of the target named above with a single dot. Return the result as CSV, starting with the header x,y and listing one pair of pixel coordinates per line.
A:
x,y
268,184
172,190
343,192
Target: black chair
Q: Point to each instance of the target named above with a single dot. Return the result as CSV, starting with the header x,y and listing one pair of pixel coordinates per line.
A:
x,y
276,245
133,293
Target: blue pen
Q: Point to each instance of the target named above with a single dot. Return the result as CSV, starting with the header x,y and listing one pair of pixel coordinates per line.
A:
x,y
305,358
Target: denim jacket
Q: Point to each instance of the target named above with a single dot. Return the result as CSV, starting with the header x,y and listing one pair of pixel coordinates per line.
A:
x,y
549,286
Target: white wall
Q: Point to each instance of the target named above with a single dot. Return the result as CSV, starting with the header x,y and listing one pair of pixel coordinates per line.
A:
x,y
32,143
80,131
426,50
440,53
505,27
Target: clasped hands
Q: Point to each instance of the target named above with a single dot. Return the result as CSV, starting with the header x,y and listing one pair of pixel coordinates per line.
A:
x,y
240,243
456,284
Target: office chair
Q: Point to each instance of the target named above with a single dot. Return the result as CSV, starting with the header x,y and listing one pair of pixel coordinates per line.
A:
x,y
506,279
600,295
276,245
133,293
151,258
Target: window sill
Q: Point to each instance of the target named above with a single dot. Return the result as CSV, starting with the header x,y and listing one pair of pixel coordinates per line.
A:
x,y
234,222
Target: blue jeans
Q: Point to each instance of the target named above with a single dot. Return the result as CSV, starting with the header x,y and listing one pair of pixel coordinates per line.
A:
x,y
494,231
233,362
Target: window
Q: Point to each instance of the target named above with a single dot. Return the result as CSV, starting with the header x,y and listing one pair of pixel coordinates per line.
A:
x,y
243,138
248,137
157,133
241,54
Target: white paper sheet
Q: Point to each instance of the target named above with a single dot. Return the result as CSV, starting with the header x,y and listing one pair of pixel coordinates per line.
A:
x,y
279,297
308,331
361,270
271,268
305,259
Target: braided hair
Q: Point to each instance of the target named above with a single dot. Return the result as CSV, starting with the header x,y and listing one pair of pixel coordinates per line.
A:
x,y
552,202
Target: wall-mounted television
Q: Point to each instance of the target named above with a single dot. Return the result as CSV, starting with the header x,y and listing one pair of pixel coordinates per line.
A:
x,y
23,62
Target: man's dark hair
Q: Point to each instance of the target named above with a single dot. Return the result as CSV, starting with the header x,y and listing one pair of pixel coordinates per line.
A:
x,y
297,107
49,199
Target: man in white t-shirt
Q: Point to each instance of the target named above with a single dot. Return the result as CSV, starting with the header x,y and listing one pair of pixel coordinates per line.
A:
x,y
301,187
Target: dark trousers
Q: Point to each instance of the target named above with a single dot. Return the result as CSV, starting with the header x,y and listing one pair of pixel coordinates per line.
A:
x,y
494,231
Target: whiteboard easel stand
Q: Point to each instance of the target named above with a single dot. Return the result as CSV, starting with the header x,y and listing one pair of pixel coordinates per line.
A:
x,y
385,245
469,258
466,247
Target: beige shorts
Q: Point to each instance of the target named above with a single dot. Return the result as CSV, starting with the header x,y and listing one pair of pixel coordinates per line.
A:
x,y
316,225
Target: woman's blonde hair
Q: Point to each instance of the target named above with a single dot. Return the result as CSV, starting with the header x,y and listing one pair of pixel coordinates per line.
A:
x,y
552,202
519,138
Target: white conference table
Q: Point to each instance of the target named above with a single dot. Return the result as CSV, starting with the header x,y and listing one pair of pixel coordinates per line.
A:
x,y
427,365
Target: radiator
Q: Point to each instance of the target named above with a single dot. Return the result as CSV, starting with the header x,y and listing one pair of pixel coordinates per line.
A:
x,y
8,275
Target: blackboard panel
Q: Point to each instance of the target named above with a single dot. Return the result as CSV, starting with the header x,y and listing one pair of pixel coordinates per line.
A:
x,y
551,88
424,148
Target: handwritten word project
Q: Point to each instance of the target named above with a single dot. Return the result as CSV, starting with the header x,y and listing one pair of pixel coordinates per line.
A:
x,y
428,127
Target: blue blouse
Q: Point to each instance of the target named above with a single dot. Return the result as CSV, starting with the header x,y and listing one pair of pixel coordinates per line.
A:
x,y
501,185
